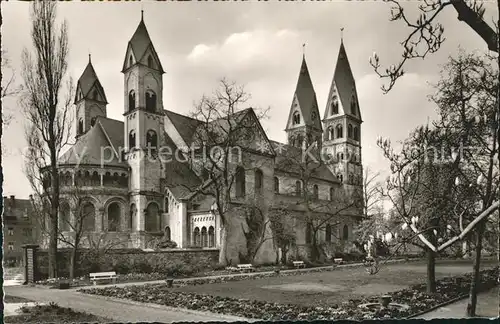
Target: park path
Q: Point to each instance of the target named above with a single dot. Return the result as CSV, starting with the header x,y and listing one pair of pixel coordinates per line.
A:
x,y
114,309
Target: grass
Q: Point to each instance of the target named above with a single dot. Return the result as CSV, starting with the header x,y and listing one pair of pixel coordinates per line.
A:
x,y
52,313
14,299
331,287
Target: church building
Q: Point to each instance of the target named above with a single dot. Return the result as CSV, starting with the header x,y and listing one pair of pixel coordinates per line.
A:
x,y
114,179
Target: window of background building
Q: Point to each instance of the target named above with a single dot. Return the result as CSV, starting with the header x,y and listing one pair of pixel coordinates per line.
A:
x,y
11,231
11,246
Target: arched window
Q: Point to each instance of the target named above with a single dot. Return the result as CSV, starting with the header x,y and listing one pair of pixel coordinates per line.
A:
x,y
356,134
340,177
258,181
332,193
80,126
351,179
328,233
204,237
152,218
331,133
151,139
94,95
345,233
114,215
349,131
196,237
131,139
167,233
296,118
335,105
308,233
87,217
130,61
276,185
133,212
340,131
64,217
95,180
299,141
150,101
211,237
353,105
166,205
240,182
92,121
150,61
298,188
315,192
131,100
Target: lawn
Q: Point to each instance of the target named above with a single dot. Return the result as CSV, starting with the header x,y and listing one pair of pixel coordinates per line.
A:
x,y
52,314
331,287
14,299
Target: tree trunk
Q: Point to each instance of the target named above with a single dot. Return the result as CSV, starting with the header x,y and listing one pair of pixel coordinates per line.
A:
x,y
431,271
72,263
53,247
474,285
223,246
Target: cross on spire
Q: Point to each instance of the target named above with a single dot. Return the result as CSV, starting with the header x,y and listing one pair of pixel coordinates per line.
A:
x,y
342,34
304,50
89,58
142,14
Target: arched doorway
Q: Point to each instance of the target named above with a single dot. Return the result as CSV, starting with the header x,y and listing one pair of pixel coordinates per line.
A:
x,y
114,215
152,223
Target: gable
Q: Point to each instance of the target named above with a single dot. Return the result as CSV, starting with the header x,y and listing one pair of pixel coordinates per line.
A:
x,y
293,109
155,60
128,54
96,92
260,141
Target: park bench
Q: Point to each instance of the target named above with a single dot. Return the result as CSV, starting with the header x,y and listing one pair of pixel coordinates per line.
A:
x,y
245,267
338,260
96,276
299,264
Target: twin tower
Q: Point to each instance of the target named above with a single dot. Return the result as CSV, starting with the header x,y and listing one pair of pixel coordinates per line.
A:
x,y
338,132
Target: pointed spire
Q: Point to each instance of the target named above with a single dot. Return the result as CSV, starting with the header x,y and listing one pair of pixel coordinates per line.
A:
x,y
342,35
90,60
304,51
88,79
142,15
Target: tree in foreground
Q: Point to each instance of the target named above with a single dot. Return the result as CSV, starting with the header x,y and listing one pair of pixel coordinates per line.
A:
x,y
47,111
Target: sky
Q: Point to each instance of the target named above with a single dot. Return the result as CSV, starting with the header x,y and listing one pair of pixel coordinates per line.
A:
x,y
256,44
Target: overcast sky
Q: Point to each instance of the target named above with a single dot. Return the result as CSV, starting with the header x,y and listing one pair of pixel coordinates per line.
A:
x,y
256,44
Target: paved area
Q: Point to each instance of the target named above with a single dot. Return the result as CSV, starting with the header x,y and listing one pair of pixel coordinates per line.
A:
x,y
115,309
487,306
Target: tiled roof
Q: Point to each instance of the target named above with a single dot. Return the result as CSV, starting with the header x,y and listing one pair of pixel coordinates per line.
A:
x,y
186,126
140,42
114,130
288,159
307,97
89,148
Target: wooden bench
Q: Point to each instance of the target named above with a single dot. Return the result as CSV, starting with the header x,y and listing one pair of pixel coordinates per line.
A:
x,y
245,267
299,264
338,260
94,277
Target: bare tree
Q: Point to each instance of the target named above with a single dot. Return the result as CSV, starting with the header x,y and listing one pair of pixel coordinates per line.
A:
x,y
47,113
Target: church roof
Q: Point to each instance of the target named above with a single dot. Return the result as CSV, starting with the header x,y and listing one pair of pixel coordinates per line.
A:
x,y
343,80
87,80
186,126
288,159
89,148
306,97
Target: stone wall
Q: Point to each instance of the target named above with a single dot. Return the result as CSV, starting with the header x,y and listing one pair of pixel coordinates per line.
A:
x,y
128,260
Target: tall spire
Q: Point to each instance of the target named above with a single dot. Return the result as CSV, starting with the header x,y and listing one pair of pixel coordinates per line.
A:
x,y
342,35
304,51
88,81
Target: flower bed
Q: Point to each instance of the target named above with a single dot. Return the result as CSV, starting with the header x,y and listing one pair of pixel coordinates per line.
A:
x,y
415,297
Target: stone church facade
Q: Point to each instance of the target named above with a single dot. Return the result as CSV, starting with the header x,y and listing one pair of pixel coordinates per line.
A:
x,y
130,196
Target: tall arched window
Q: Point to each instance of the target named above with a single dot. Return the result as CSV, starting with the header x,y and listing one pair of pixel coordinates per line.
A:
x,y
167,233
130,61
299,141
211,237
80,126
340,177
345,233
151,139
332,193
131,100
133,212
240,182
92,121
87,217
152,218
296,118
276,185
331,133
94,95
315,192
114,215
356,133
328,233
335,105
349,131
64,217
340,131
166,204
131,139
258,181
150,101
196,237
204,237
150,61
298,188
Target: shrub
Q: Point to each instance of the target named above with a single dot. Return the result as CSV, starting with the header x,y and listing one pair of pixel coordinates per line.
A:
x,y
167,245
141,267
121,268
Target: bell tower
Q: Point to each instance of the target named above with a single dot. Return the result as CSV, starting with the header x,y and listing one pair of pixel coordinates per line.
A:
x,y
143,126
342,124
90,100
